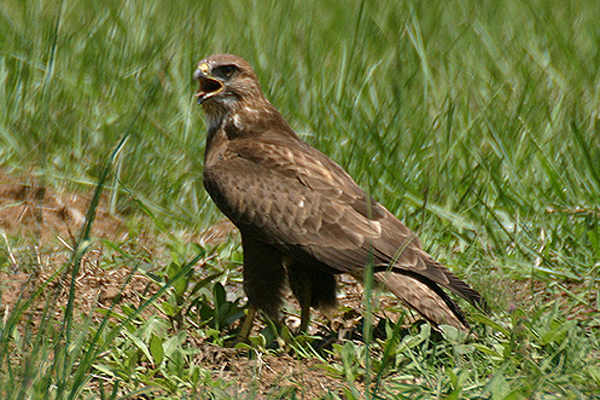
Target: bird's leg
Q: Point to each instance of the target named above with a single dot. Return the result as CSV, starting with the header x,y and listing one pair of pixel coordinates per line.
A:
x,y
301,285
247,326
304,313
304,298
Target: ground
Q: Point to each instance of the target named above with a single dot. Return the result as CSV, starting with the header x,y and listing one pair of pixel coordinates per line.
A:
x,y
39,229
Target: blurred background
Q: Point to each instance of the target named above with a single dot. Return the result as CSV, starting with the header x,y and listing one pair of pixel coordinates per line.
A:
x,y
481,119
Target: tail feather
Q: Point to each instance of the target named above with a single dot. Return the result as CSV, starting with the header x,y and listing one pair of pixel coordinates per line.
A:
x,y
462,289
449,281
425,297
454,283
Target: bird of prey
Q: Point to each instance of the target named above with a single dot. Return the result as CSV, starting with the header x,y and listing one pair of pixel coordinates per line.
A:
x,y
302,218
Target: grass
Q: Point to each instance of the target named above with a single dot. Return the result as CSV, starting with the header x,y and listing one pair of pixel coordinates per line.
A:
x,y
475,123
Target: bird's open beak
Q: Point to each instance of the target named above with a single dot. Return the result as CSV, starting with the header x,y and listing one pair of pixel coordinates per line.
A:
x,y
208,86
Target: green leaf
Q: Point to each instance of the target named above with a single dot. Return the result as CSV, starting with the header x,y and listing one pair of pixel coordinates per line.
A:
x,y
491,323
168,308
498,387
486,350
140,345
156,348
557,331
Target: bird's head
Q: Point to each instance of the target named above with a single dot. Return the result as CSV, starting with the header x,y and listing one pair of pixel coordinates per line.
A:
x,y
232,98
225,80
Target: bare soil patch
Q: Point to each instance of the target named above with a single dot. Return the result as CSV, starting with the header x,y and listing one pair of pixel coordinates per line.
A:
x,y
265,374
44,223
27,207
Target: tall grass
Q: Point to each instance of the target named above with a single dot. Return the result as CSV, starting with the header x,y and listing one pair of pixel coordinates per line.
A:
x,y
476,123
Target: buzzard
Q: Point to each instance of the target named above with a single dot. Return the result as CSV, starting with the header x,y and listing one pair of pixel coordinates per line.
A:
x,y
302,218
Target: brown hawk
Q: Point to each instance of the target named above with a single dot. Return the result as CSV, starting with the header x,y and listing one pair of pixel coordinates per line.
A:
x,y
302,218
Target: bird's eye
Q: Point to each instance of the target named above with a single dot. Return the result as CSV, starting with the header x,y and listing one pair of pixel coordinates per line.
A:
x,y
225,71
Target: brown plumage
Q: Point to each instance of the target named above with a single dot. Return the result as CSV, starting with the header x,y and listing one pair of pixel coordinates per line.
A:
x,y
303,219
